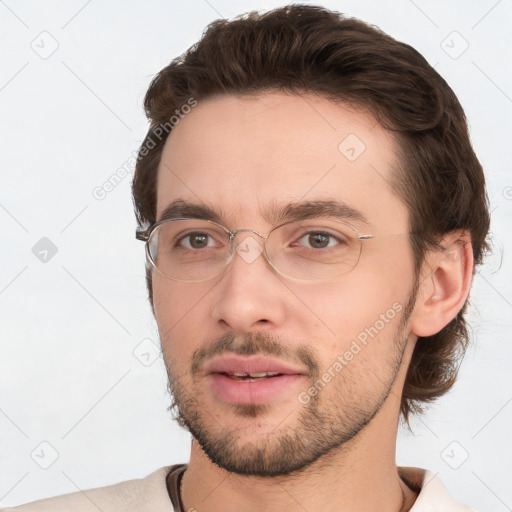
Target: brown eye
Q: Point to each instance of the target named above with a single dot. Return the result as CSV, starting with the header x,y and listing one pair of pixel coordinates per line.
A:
x,y
319,240
198,241
195,240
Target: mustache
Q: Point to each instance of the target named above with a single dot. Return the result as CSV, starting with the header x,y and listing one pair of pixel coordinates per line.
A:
x,y
254,344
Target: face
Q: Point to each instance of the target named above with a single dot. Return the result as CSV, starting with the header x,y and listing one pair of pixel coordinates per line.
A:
x,y
337,345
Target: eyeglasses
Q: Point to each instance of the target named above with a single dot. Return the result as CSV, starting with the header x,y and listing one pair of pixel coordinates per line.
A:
x,y
196,250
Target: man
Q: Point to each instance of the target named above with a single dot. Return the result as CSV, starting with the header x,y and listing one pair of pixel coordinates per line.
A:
x,y
313,214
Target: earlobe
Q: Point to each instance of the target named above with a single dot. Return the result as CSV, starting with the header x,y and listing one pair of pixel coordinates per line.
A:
x,y
444,285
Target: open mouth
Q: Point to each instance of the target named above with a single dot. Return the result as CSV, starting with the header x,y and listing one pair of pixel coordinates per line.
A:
x,y
252,388
251,377
252,380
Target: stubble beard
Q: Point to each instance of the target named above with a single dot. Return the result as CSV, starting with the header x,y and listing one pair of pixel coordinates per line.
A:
x,y
324,426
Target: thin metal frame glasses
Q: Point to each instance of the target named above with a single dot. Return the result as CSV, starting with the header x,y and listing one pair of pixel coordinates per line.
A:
x,y
306,250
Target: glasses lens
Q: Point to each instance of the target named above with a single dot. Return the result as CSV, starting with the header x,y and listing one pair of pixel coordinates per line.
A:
x,y
314,249
189,250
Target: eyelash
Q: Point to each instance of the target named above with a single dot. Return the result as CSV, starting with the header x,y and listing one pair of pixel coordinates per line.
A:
x,y
331,236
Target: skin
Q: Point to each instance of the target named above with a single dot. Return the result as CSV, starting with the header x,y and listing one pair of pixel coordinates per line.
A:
x,y
239,155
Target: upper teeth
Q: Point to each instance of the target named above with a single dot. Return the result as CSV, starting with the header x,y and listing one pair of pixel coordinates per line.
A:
x,y
257,374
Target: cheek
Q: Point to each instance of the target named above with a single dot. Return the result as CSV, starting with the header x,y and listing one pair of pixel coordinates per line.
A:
x,y
355,303
179,315
388,272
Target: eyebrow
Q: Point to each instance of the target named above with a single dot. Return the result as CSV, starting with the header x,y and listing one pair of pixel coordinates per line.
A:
x,y
275,214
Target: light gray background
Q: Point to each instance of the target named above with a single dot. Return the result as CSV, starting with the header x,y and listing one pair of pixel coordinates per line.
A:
x,y
72,370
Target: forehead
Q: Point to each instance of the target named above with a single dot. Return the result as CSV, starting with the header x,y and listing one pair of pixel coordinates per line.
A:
x,y
243,156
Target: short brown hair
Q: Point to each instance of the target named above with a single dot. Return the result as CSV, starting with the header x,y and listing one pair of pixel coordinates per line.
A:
x,y
302,48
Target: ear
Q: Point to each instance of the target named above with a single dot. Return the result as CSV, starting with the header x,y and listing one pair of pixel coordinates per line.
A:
x,y
445,281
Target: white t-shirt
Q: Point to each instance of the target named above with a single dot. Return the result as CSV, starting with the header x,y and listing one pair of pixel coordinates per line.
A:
x,y
150,495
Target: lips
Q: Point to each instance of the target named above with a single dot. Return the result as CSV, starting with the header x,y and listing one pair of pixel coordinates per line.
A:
x,y
254,367
251,380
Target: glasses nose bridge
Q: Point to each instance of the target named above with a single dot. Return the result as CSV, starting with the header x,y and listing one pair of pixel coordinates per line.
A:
x,y
233,234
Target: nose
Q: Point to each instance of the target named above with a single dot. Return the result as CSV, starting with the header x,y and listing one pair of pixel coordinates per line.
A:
x,y
250,296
